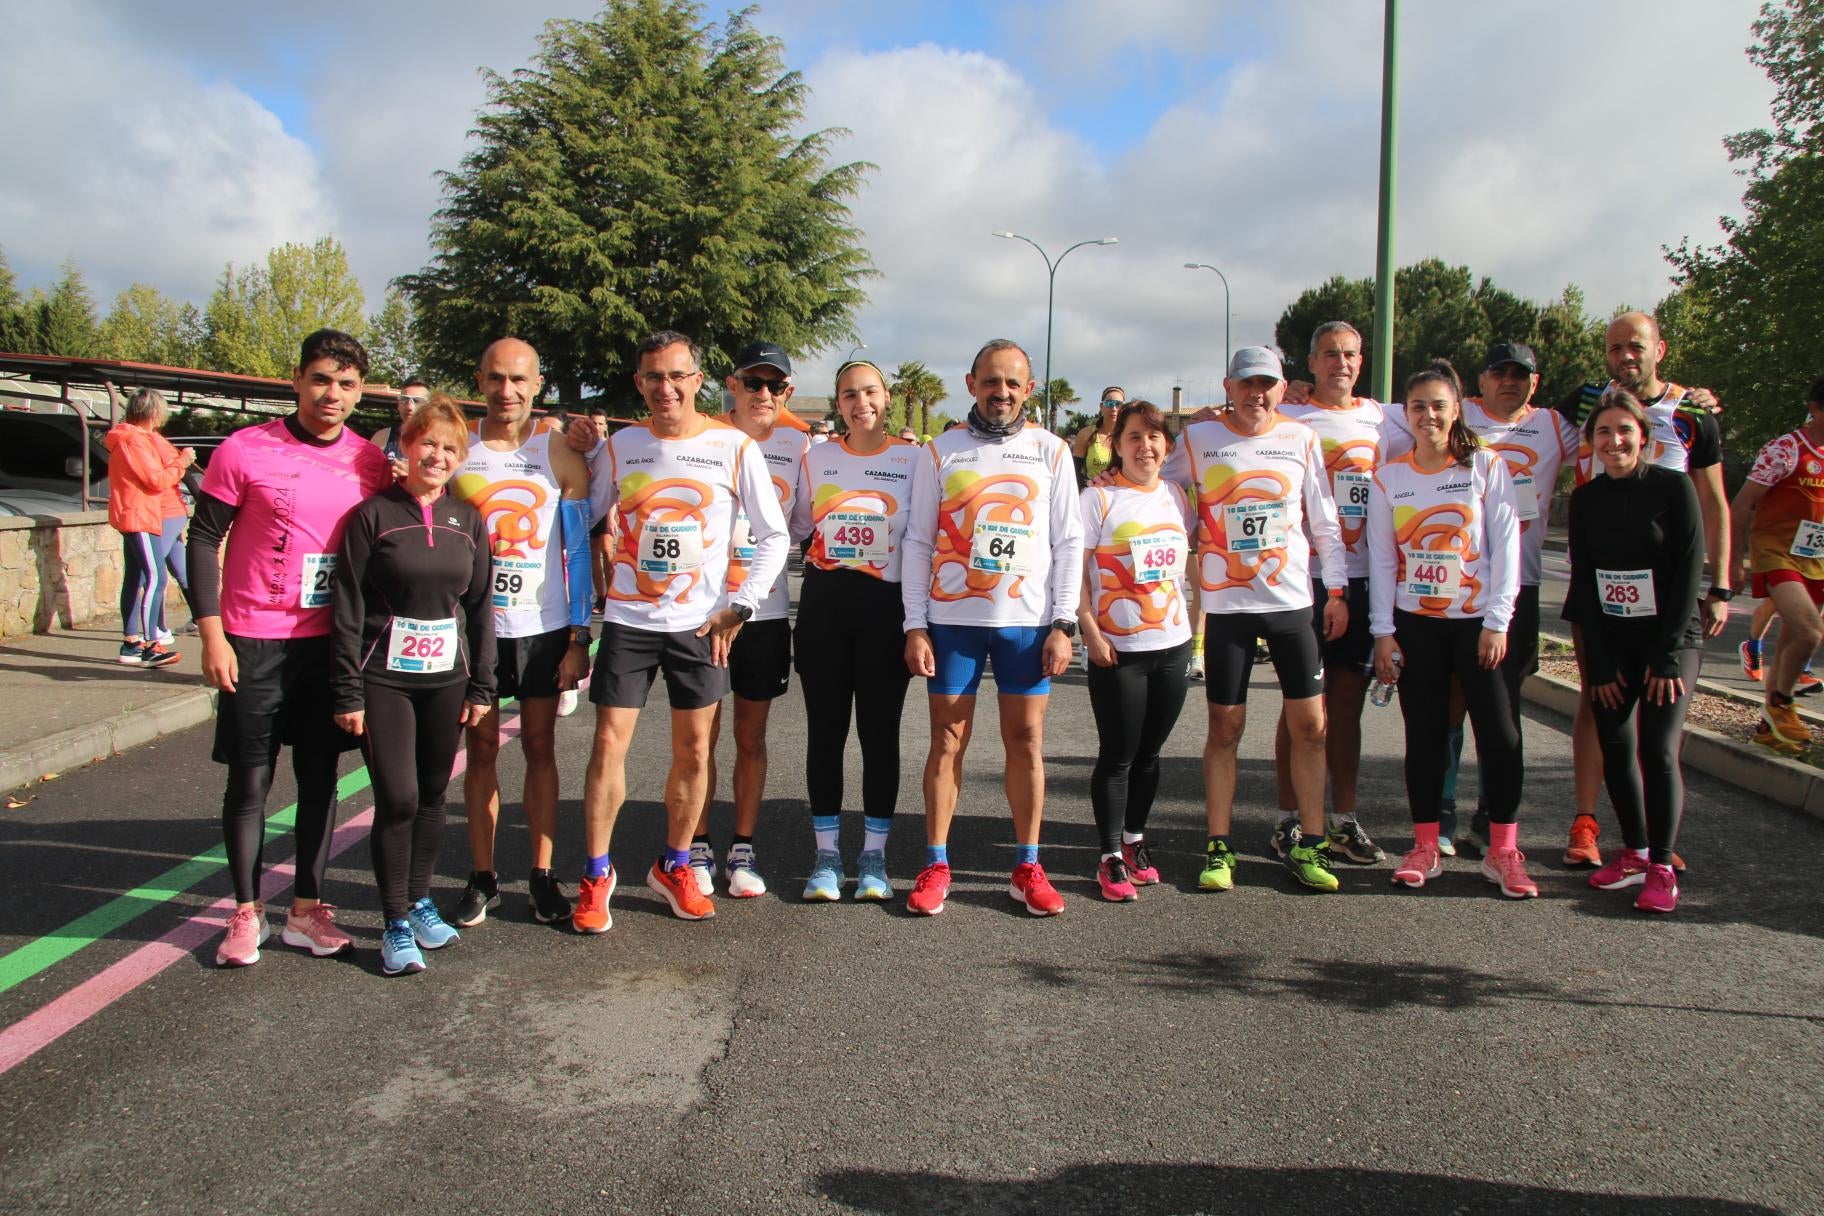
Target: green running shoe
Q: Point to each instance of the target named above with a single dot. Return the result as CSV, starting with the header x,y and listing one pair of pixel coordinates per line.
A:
x,y
1310,864
1218,867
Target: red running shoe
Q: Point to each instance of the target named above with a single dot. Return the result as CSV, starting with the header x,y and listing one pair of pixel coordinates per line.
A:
x,y
1624,870
929,891
1582,850
679,887
1029,886
1117,887
1140,868
592,895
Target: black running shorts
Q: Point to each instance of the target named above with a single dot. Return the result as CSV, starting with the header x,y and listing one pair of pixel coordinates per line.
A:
x,y
527,667
1228,654
760,661
629,659
281,696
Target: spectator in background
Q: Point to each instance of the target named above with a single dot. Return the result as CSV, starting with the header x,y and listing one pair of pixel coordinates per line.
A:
x,y
412,394
820,431
144,470
908,434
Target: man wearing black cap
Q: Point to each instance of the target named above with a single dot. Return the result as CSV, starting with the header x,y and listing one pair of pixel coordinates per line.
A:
x,y
760,661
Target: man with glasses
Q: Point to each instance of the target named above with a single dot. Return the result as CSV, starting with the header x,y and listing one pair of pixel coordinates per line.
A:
x,y
820,431
677,485
412,394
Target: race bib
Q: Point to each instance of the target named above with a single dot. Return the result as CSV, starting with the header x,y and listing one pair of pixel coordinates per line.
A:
x,y
1158,556
1626,592
319,577
854,538
1808,541
1255,526
517,581
1351,491
1432,575
743,545
1526,497
422,646
675,547
1003,548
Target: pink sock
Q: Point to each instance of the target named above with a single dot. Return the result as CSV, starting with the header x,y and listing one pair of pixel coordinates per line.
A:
x,y
1425,835
1504,835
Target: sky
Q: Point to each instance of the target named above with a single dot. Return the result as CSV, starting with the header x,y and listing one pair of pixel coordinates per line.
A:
x,y
1540,144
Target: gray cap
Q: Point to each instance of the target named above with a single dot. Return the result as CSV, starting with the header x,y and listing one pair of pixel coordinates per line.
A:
x,y
1255,361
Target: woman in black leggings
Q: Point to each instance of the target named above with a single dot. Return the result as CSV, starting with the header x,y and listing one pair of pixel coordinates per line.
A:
x,y
414,645
1637,557
850,644
1137,632
1444,572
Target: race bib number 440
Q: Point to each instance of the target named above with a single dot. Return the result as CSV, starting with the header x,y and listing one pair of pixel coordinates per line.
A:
x,y
1626,592
1255,526
854,537
673,547
1432,575
1003,548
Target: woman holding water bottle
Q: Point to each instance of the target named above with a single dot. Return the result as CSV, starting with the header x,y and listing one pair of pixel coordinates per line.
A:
x,y
414,664
1637,559
1444,553
1137,632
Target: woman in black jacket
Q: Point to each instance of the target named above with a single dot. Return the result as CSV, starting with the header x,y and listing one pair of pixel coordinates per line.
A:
x,y
414,641
1637,557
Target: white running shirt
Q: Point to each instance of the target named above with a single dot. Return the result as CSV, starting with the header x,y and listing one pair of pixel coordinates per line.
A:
x,y
1136,552
1444,544
1535,444
853,508
517,494
782,449
1353,441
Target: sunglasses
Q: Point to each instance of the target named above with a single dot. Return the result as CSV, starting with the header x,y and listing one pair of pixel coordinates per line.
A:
x,y
754,384
1112,403
413,399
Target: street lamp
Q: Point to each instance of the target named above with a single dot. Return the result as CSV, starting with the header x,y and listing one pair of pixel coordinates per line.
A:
x,y
856,350
1051,270
1227,307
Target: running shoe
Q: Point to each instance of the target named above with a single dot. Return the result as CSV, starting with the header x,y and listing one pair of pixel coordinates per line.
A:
x,y
482,893
1625,869
1807,685
1310,864
1418,867
825,883
1286,834
567,702
1350,840
431,930
744,881
166,638
314,929
1029,886
1218,872
189,630
1447,830
1194,669
1140,868
154,655
703,866
680,891
929,890
131,654
1751,663
399,953
1786,731
871,876
1582,850
1117,888
1506,868
592,895
247,932
548,902
1660,891
1478,828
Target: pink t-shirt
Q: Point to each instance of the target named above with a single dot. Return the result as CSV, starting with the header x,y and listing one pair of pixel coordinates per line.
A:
x,y
291,501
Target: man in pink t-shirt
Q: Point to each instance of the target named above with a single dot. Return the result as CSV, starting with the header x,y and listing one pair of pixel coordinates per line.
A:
x,y
280,493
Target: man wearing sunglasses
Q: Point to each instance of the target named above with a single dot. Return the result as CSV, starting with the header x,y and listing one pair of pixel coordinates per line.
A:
x,y
412,394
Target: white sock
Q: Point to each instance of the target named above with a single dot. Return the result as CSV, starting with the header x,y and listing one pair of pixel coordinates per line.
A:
x,y
1640,853
874,835
1132,837
1111,857
824,828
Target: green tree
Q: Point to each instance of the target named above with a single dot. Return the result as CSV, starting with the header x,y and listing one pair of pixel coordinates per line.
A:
x,y
645,171
147,326
15,326
921,388
229,343
392,341
65,322
259,315
1058,392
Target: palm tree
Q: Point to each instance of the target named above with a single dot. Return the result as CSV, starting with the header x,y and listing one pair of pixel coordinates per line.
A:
x,y
1058,394
920,388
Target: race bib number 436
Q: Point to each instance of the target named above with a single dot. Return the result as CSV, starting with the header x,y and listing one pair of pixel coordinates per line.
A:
x,y
1158,556
1003,548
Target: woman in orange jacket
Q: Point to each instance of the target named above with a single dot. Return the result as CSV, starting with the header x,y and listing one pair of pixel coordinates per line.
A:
x,y
144,470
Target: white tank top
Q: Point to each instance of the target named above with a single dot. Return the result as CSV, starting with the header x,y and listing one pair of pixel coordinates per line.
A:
x,y
517,495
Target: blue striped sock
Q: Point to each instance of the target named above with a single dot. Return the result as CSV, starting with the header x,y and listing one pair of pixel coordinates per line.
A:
x,y
824,828
1029,854
937,854
875,841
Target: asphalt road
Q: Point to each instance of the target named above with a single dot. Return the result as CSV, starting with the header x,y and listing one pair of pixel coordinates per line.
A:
x,y
1378,1050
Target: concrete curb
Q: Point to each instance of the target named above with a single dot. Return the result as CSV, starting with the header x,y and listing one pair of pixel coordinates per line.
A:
x,y
86,744
1776,778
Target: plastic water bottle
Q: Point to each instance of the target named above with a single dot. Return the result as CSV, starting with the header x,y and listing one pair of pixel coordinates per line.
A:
x,y
1380,693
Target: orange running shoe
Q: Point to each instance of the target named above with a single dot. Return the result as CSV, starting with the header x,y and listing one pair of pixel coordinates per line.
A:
x,y
679,887
1786,732
1582,850
592,894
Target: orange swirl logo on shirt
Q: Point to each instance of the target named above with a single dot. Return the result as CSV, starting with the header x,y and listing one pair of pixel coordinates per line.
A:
x,y
969,496
668,500
1153,605
509,509
1443,528
1223,487
1520,461
829,498
1349,456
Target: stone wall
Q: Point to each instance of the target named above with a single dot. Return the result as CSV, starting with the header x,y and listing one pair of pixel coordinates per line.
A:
x,y
61,571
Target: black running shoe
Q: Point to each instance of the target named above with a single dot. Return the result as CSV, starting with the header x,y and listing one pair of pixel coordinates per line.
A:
x,y
547,898
482,893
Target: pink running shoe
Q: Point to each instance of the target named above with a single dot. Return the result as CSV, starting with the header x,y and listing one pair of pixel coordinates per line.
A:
x,y
247,932
314,929
1117,888
1418,867
1029,886
929,890
1140,868
1625,869
1660,893
1506,868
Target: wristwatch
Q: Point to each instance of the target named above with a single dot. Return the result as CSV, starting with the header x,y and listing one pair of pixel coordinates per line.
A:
x,y
1721,595
1065,626
744,611
580,636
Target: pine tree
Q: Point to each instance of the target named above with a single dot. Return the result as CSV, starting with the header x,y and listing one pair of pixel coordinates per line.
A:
x,y
66,323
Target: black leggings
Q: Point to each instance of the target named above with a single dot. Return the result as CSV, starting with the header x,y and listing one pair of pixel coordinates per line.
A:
x,y
1136,703
1640,744
244,819
410,744
1434,650
851,651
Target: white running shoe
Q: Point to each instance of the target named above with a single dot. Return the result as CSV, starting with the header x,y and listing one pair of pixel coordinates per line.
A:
x,y
566,703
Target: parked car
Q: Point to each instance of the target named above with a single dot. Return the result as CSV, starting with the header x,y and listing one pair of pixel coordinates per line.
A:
x,y
41,462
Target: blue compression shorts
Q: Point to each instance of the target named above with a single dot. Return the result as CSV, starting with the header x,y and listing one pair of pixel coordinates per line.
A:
x,y
964,651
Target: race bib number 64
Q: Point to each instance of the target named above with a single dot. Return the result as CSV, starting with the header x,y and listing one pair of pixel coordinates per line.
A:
x,y
1003,548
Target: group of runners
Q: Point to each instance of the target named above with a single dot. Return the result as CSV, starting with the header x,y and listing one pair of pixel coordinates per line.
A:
x,y
389,596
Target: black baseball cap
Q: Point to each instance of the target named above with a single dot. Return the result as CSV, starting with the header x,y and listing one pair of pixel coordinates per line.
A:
x,y
1511,352
763,354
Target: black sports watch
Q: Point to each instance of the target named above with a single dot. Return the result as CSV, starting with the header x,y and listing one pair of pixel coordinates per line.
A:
x,y
745,612
1065,626
1721,595
580,636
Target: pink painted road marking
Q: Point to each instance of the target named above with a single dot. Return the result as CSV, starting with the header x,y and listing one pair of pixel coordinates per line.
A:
x,y
37,1030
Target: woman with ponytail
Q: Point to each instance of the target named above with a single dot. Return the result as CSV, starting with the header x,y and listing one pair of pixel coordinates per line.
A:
x,y
1444,553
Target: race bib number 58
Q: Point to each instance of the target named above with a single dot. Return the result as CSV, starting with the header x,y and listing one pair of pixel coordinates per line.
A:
x,y
672,547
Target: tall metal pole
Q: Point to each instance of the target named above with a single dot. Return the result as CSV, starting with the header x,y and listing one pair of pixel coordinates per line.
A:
x,y
1051,290
1384,255
1228,308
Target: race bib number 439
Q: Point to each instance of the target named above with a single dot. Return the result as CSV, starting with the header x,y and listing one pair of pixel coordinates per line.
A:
x,y
672,547
1432,575
1003,548
854,537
